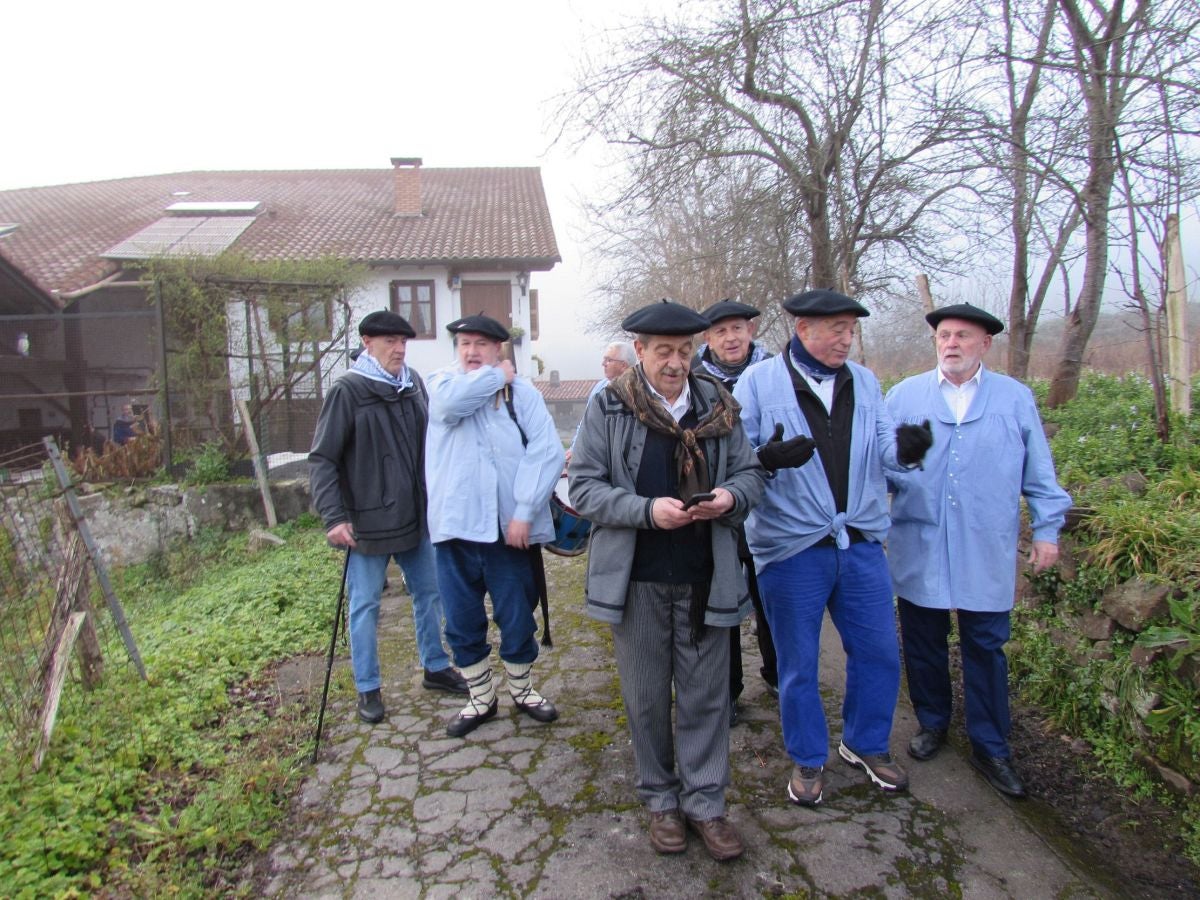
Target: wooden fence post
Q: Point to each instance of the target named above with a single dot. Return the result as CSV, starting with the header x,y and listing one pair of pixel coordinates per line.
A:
x,y
260,473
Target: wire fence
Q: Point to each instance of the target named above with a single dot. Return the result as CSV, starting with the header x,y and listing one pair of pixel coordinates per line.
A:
x,y
125,394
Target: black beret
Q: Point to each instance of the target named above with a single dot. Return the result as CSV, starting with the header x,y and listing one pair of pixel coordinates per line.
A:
x,y
729,309
479,324
667,318
967,312
823,303
383,322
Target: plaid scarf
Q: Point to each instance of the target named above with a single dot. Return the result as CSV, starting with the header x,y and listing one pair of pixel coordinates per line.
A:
x,y
691,465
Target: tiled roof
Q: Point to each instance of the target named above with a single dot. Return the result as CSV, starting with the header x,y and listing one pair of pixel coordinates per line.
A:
x,y
478,215
566,391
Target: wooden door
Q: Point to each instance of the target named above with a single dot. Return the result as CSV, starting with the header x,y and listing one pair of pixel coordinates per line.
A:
x,y
492,298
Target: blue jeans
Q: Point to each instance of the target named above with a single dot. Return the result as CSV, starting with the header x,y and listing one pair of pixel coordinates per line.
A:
x,y
365,575
856,587
466,570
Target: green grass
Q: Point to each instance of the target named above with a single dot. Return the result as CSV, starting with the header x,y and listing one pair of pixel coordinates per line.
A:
x,y
167,786
1141,500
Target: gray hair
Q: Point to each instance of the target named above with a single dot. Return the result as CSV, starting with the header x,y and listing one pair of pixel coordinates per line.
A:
x,y
624,352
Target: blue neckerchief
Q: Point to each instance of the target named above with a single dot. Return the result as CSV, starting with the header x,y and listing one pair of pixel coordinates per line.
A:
x,y
369,367
808,363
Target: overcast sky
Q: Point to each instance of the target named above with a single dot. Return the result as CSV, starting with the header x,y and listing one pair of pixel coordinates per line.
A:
x,y
126,88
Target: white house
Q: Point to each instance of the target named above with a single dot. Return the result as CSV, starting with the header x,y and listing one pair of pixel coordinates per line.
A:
x,y
438,244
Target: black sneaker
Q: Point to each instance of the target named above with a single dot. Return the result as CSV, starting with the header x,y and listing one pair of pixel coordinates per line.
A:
x,y
446,679
370,707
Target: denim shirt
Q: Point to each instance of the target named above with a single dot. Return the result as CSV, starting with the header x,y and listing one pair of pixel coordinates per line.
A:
x,y
478,473
798,507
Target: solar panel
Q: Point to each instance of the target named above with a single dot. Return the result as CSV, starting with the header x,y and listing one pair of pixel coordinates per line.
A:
x,y
182,236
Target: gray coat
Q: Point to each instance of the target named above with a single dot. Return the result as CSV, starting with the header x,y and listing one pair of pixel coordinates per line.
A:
x,y
603,478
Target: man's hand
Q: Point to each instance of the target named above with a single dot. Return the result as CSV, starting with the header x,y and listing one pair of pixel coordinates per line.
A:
x,y
778,454
341,535
517,534
714,508
509,370
911,443
1043,556
668,513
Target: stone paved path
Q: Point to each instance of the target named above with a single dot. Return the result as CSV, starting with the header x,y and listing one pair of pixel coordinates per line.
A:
x,y
519,809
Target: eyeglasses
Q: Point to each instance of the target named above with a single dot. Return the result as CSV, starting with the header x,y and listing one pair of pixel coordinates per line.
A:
x,y
609,359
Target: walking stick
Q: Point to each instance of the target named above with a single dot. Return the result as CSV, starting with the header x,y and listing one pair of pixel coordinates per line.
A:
x,y
337,620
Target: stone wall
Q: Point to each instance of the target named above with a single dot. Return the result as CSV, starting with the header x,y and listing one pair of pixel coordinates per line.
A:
x,y
132,524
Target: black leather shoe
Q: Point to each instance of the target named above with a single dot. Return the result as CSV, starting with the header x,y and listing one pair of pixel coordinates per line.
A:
x,y
447,679
370,707
539,712
926,743
1000,774
461,726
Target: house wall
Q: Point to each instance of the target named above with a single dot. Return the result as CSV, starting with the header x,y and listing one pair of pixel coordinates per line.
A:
x,y
424,355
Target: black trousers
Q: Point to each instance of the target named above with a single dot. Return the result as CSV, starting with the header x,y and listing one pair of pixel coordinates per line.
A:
x,y
766,646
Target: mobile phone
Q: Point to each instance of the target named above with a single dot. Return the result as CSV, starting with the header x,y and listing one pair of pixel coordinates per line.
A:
x,y
699,498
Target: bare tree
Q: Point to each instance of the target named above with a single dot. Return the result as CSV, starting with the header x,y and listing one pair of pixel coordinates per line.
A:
x,y
1116,52
725,233
828,94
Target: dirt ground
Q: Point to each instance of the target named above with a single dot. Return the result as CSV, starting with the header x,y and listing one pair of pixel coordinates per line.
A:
x,y
1131,840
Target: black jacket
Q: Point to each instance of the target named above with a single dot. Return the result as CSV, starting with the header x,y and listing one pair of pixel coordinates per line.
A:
x,y
367,463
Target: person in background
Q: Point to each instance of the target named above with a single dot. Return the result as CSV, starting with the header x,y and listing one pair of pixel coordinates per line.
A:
x,y
728,350
126,426
663,471
366,469
493,459
817,537
618,356
953,543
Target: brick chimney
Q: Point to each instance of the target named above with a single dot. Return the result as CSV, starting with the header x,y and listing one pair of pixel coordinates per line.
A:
x,y
408,185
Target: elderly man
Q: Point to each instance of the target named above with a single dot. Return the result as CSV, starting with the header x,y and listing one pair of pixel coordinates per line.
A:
x,y
953,544
663,471
728,350
618,356
368,485
492,460
817,538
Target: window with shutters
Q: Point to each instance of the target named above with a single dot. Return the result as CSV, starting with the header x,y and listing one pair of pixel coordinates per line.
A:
x,y
414,301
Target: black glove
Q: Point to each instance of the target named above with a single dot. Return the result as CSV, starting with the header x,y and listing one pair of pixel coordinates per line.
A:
x,y
790,454
912,441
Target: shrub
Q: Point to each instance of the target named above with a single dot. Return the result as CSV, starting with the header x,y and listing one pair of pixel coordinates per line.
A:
x,y
210,464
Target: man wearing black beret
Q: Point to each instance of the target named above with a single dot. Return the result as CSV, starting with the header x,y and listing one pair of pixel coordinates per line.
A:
x,y
663,471
368,485
494,458
953,543
729,349
817,537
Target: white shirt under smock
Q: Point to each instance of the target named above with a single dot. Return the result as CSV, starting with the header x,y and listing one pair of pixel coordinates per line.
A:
x,y
959,396
682,403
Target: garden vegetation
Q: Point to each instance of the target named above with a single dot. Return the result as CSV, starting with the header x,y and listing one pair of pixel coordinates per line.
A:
x,y
168,786
1133,698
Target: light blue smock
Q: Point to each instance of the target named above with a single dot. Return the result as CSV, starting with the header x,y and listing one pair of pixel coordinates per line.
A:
x,y
798,507
478,474
953,543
